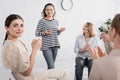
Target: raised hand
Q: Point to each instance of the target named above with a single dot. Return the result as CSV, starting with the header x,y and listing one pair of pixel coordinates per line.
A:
x,y
62,29
36,43
92,52
100,52
96,52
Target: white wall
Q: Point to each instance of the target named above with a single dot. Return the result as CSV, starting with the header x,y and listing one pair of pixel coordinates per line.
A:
x,y
95,11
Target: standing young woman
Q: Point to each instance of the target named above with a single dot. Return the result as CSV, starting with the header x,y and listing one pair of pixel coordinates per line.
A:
x,y
48,29
82,44
15,55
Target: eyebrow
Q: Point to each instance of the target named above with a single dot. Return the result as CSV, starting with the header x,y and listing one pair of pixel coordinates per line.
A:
x,y
18,24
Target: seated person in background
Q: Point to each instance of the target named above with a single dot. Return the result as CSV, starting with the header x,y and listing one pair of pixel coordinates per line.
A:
x,y
15,54
83,58
108,67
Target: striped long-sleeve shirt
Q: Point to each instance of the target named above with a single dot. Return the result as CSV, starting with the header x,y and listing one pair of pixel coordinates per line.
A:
x,y
48,40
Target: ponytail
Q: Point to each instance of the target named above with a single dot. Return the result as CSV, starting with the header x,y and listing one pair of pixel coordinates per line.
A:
x,y
6,35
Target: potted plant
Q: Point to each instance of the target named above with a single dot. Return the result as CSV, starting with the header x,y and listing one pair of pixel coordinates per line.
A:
x,y
105,26
104,36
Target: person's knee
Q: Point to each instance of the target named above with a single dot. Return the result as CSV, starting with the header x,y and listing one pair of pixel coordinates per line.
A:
x,y
50,64
79,61
67,74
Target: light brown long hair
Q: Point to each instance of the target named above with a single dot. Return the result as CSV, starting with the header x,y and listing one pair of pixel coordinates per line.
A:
x,y
90,28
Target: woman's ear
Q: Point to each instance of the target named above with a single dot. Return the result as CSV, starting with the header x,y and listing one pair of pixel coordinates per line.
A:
x,y
112,33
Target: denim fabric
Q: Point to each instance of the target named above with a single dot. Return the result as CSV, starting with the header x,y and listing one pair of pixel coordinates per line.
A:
x,y
80,64
50,56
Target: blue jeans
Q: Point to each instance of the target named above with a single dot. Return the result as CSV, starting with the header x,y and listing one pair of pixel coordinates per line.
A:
x,y
80,64
50,56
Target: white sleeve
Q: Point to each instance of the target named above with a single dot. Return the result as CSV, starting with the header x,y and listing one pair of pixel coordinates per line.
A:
x,y
76,48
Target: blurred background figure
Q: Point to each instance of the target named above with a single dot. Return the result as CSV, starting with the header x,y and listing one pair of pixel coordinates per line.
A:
x,y
83,42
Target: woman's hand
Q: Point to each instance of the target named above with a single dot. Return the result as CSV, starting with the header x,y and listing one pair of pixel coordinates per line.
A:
x,y
62,29
36,43
100,52
93,53
96,52
48,32
85,48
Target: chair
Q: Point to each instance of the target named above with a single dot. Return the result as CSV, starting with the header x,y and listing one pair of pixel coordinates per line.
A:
x,y
10,75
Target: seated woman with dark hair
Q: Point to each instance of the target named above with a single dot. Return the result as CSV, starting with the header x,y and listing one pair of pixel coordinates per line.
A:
x,y
15,55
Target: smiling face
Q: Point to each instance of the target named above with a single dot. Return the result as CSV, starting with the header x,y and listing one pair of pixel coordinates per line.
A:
x,y
85,30
88,30
15,28
49,11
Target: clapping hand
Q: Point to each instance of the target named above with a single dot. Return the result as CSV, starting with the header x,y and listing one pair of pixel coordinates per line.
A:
x,y
100,52
36,43
96,52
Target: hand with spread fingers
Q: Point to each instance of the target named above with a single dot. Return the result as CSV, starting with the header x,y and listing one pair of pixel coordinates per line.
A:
x,y
96,52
